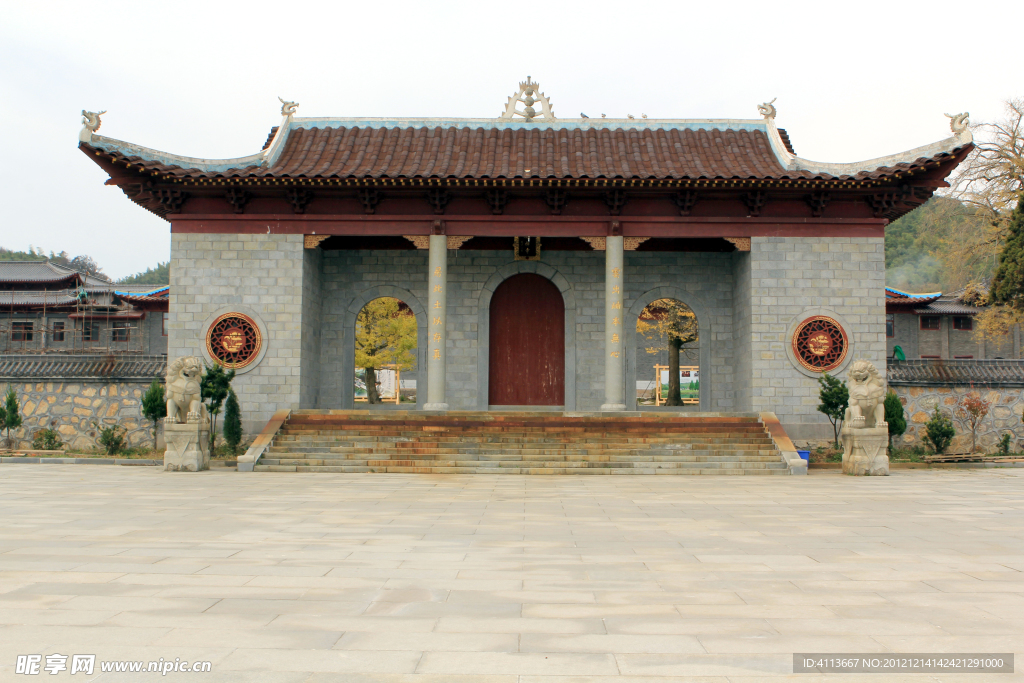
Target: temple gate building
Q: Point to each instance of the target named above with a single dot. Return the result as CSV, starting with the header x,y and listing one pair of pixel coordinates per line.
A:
x,y
527,246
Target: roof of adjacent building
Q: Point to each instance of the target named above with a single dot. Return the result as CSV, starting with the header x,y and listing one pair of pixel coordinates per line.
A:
x,y
931,303
37,272
931,372
895,298
506,148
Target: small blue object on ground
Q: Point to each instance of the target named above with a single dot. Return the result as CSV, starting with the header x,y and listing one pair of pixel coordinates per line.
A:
x,y
806,455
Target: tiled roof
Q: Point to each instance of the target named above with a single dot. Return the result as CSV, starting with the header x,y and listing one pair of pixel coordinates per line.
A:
x,y
673,153
895,298
62,297
949,306
1007,373
81,367
36,272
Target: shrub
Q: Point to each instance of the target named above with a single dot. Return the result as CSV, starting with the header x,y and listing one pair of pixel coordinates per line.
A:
x,y
154,405
894,416
11,413
1004,444
112,438
232,422
834,397
972,409
939,431
47,440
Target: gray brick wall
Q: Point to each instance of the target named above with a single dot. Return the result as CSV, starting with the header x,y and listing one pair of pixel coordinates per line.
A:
x,y
791,278
262,274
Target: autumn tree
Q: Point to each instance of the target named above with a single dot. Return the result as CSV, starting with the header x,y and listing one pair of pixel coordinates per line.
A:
x,y
669,325
385,335
972,409
1006,293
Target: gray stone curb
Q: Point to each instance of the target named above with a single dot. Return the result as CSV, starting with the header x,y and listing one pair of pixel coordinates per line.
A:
x,y
81,461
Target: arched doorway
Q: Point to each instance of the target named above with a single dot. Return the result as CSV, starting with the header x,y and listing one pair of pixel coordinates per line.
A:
x,y
386,341
667,355
527,343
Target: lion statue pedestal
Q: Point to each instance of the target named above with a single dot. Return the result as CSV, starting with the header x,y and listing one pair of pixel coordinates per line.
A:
x,y
187,425
865,434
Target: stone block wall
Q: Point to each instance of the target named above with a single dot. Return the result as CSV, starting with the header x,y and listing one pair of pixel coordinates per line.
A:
x,y
1007,405
792,278
72,407
262,276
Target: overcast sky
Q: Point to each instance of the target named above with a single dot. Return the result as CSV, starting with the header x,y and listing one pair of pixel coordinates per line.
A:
x,y
854,80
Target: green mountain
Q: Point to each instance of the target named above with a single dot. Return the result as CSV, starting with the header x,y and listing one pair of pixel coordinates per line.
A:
x,y
161,275
942,245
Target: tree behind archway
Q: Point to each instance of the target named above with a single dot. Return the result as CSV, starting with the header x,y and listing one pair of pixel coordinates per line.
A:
x,y
669,325
385,335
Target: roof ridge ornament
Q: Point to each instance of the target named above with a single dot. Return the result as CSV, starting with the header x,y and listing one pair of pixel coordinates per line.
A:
x,y
960,124
90,124
767,109
527,90
287,107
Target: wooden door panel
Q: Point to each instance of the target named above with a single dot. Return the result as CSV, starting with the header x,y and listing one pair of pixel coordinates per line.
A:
x,y
527,343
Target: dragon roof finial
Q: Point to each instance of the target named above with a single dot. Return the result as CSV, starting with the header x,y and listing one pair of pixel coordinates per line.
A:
x,y
287,107
90,124
767,109
958,123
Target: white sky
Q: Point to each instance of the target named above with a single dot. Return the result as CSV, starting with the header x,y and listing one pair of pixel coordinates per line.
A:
x,y
854,80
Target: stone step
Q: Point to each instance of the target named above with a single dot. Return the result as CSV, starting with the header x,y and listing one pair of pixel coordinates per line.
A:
x,y
521,443
511,457
556,470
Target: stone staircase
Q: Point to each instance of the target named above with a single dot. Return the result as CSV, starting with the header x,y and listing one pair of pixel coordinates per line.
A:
x,y
521,443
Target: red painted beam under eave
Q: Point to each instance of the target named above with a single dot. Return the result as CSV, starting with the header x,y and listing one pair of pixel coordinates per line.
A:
x,y
540,226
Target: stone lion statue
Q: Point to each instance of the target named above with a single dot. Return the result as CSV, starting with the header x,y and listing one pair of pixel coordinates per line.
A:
x,y
184,399
867,396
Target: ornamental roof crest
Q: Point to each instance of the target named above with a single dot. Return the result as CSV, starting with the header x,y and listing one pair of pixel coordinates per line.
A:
x,y
529,94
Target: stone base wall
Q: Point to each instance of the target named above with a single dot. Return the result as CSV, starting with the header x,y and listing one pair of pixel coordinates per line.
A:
x,y
1004,415
72,407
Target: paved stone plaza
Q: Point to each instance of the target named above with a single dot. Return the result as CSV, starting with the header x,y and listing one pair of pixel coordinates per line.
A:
x,y
507,579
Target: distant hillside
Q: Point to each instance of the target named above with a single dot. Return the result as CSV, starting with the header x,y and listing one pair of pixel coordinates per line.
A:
x,y
942,245
161,275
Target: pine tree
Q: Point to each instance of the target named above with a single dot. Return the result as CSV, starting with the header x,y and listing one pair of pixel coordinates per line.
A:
x,y
12,413
214,387
834,398
154,405
232,422
1008,282
894,416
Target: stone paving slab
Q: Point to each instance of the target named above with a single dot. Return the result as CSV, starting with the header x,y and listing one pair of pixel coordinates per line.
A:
x,y
506,579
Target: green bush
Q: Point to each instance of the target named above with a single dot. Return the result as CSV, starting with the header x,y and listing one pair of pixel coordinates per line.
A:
x,y
834,398
894,416
112,438
939,431
47,440
232,422
1004,444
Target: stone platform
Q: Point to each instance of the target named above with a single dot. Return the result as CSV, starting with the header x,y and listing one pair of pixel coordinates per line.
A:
x,y
522,443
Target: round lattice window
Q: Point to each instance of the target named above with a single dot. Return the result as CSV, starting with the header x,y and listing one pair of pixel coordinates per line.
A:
x,y
820,344
234,340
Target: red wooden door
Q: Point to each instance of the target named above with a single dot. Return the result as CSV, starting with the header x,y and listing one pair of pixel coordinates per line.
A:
x,y
527,361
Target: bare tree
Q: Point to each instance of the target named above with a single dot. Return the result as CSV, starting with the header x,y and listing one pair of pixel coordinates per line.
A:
x,y
992,176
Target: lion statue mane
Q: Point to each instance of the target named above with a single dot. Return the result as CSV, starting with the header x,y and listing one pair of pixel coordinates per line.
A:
x,y
867,396
184,398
